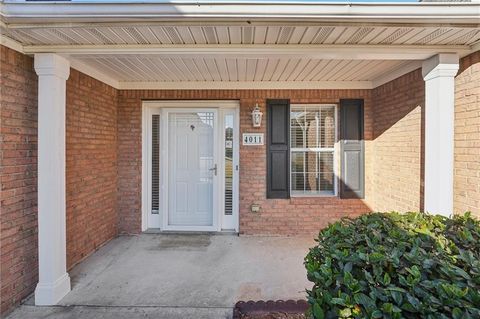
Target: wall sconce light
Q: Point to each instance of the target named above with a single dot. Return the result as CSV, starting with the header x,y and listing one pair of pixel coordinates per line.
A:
x,y
257,116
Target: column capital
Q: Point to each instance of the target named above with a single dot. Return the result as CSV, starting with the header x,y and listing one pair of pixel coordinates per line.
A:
x,y
440,65
52,64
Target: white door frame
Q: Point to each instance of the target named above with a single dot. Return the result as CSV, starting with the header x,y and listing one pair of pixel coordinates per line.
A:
x,y
162,108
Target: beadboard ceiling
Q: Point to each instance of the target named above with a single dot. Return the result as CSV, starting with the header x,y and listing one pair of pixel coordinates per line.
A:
x,y
217,69
214,34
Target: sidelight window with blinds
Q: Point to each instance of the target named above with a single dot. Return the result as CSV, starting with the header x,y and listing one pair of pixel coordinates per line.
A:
x,y
155,163
312,150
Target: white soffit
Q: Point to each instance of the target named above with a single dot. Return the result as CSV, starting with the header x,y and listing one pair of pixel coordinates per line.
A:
x,y
273,34
158,72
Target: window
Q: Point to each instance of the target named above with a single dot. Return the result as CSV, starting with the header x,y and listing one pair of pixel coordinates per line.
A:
x,y
228,164
312,147
155,163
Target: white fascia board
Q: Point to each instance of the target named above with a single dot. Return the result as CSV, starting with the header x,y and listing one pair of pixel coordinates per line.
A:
x,y
109,11
332,52
253,85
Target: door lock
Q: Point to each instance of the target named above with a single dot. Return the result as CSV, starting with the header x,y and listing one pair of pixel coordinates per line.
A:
x,y
214,169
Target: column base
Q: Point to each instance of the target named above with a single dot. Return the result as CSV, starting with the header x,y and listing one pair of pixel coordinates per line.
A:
x,y
48,294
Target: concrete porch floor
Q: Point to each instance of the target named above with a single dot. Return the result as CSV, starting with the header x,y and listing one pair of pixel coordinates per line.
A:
x,y
180,276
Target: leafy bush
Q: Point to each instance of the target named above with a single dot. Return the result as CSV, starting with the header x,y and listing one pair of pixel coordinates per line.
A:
x,y
390,265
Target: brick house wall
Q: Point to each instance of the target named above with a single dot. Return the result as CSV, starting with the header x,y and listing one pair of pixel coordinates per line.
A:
x,y
18,174
279,216
91,151
104,161
91,165
398,117
398,108
467,136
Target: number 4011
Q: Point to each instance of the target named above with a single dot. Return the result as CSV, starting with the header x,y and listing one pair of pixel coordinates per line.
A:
x,y
252,139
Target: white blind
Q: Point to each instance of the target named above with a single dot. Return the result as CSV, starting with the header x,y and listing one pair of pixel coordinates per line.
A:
x,y
312,141
155,162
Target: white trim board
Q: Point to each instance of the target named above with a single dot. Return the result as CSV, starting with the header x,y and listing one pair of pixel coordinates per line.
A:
x,y
395,74
94,73
314,51
12,44
191,103
109,11
253,85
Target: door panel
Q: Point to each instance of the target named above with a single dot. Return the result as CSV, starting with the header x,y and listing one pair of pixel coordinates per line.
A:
x,y
190,163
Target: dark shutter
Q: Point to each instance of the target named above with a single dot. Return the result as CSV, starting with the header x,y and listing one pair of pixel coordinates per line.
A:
x,y
278,149
352,179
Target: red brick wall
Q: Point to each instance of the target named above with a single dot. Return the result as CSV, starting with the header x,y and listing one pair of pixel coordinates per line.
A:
x,y
467,136
91,152
104,161
18,174
398,143
293,216
129,163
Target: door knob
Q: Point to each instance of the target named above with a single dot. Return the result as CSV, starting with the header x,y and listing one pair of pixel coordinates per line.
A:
x,y
214,169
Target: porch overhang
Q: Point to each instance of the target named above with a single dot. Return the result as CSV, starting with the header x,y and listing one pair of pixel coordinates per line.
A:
x,y
232,45
242,44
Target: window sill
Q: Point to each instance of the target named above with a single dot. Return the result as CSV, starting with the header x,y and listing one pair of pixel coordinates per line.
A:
x,y
293,195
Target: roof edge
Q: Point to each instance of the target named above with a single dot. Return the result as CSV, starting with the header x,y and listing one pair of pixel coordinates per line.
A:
x,y
15,12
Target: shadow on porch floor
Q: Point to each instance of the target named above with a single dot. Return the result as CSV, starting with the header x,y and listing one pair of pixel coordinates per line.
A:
x,y
180,276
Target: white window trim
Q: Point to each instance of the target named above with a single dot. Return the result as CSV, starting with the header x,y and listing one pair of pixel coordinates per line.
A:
x,y
326,149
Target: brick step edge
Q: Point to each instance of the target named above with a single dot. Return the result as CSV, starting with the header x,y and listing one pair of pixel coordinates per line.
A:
x,y
265,307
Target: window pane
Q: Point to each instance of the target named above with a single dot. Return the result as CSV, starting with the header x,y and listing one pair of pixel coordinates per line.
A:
x,y
298,160
297,128
326,182
311,172
312,130
228,164
312,121
327,130
298,184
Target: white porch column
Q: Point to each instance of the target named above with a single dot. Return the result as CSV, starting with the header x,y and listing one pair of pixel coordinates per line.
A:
x,y
439,72
54,282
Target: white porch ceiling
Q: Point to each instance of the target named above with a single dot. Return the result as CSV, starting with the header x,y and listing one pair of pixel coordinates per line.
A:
x,y
215,34
155,68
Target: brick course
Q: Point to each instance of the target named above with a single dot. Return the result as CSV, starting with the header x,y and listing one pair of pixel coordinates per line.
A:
x,y
277,217
18,174
91,152
467,136
398,108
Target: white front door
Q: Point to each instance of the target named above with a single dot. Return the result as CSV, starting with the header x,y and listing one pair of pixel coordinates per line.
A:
x,y
190,165
192,169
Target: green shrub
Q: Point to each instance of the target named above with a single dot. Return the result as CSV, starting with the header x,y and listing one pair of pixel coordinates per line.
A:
x,y
390,265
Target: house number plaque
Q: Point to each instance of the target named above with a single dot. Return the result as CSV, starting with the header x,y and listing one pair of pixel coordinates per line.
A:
x,y
252,139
